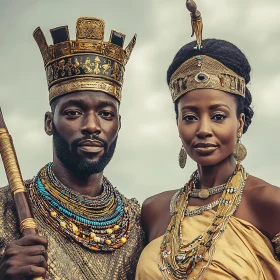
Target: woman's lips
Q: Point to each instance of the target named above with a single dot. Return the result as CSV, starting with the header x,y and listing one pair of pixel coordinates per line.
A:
x,y
205,148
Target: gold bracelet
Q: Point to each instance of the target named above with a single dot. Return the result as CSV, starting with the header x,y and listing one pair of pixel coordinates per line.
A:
x,y
28,223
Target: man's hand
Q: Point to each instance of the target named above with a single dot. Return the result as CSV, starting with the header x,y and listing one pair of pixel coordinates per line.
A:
x,y
26,257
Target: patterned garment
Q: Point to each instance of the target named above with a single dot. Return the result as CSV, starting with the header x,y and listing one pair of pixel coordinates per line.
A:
x,y
70,261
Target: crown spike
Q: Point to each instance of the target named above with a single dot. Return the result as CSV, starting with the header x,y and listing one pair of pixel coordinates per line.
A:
x,y
196,21
42,44
128,50
90,28
117,38
60,34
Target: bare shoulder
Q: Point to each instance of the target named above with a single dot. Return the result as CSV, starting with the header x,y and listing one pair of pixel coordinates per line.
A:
x,y
155,208
157,203
264,200
262,193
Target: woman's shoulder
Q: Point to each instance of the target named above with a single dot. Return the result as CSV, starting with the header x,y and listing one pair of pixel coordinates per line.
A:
x,y
260,191
157,203
264,201
155,212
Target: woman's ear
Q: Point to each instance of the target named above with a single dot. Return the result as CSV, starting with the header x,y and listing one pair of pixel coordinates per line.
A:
x,y
48,123
241,121
120,122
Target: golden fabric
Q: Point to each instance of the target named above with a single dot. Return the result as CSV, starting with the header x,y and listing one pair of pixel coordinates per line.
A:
x,y
242,252
68,260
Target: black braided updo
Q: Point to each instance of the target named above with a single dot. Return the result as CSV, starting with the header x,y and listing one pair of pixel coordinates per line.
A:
x,y
229,55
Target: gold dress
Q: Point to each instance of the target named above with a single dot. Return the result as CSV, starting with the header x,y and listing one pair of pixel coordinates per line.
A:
x,y
242,252
70,261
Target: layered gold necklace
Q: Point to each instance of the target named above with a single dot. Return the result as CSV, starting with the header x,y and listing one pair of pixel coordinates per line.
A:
x,y
178,260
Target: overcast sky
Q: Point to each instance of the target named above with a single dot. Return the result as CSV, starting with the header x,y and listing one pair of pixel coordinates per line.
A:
x,y
145,162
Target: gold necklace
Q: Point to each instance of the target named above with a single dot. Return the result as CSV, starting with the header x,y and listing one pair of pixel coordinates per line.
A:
x,y
201,209
178,260
205,193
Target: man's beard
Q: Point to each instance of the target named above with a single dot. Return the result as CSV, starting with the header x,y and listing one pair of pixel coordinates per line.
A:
x,y
69,157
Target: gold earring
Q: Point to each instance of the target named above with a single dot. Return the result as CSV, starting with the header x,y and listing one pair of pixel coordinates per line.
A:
x,y
182,157
240,151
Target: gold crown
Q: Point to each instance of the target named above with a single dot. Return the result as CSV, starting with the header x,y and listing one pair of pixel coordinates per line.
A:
x,y
88,63
204,72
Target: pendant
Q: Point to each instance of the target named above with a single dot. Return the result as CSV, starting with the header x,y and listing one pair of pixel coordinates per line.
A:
x,y
204,194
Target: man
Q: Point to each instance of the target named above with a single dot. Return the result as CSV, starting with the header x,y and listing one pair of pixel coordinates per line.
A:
x,y
90,230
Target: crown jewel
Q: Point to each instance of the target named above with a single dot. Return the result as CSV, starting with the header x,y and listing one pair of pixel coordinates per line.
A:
x,y
87,63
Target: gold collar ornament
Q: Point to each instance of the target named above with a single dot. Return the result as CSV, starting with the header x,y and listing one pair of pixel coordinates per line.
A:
x,y
201,71
87,63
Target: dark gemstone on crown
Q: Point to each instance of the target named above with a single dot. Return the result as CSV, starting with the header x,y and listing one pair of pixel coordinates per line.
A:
x,y
201,77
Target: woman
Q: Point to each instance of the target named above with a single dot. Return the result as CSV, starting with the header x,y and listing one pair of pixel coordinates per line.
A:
x,y
223,224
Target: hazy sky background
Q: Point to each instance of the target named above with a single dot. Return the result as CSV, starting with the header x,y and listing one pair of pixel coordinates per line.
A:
x,y
146,159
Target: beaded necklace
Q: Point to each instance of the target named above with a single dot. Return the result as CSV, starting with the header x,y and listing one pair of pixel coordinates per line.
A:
x,y
201,209
99,223
178,260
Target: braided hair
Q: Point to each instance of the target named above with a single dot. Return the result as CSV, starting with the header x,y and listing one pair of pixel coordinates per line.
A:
x,y
229,55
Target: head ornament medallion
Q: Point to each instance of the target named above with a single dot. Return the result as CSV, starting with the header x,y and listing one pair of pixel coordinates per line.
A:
x,y
87,63
201,71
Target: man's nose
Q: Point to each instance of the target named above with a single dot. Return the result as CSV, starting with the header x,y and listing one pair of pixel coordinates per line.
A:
x,y
91,124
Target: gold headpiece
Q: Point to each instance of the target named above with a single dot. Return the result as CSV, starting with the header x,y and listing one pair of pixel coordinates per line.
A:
x,y
201,71
88,63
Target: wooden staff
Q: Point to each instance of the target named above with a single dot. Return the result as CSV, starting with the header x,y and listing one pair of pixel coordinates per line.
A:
x,y
16,184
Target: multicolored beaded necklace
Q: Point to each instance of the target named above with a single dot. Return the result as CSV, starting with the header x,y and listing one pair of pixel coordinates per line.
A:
x,y
178,260
99,223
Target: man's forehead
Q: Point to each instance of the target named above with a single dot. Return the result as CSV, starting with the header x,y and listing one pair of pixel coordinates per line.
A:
x,y
88,98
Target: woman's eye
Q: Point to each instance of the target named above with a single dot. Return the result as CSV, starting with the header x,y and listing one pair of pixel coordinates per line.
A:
x,y
189,118
73,113
219,117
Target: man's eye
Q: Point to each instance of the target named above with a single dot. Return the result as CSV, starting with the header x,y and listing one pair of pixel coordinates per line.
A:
x,y
189,118
72,113
106,114
219,117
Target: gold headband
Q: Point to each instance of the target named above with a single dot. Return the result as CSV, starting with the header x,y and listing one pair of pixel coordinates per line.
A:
x,y
204,72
